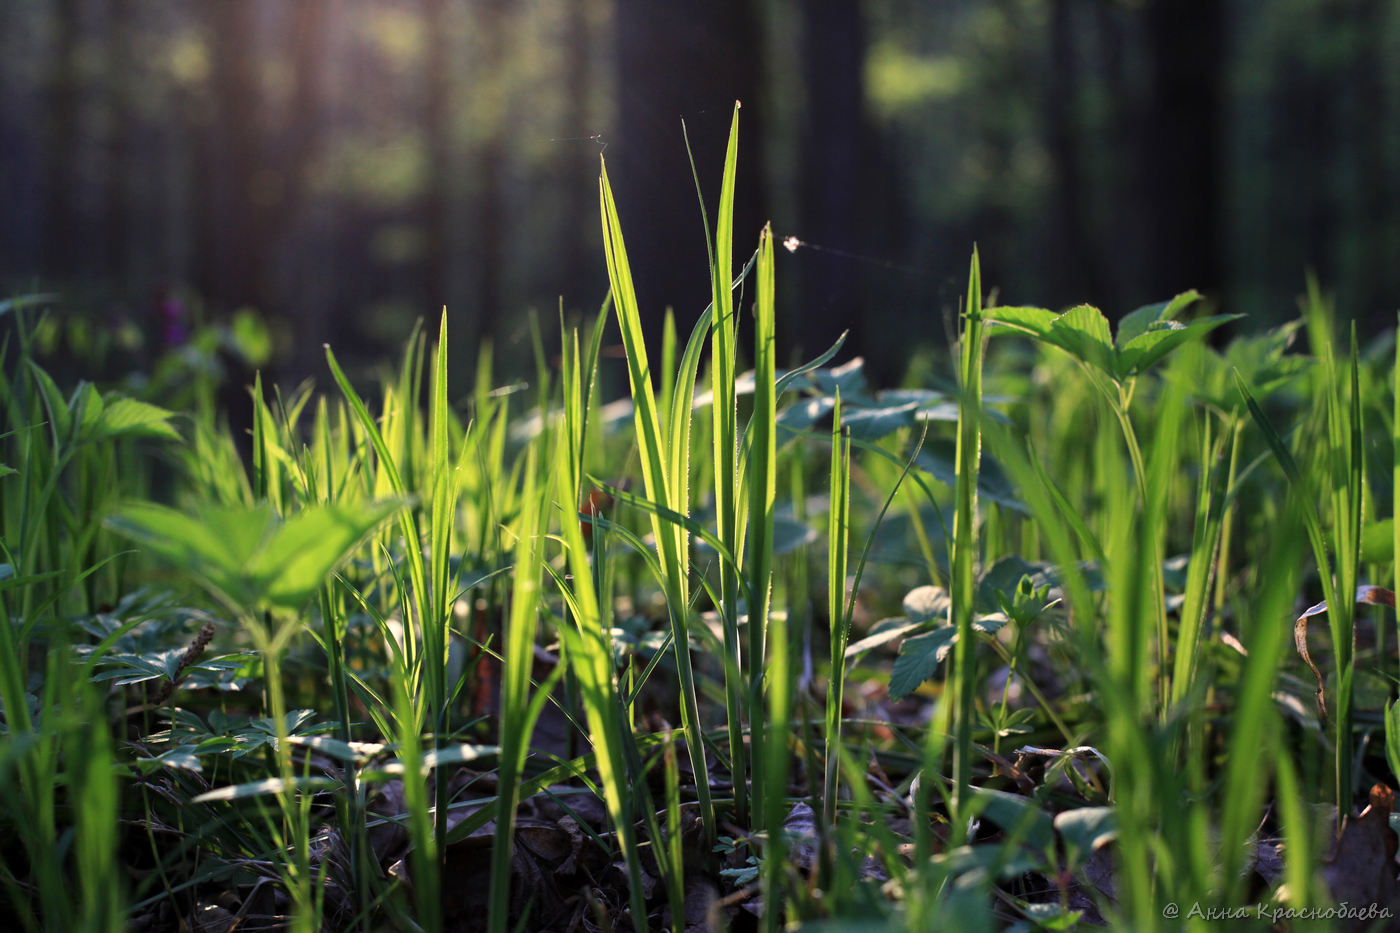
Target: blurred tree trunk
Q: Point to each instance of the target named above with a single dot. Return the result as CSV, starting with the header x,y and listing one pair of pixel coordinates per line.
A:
x,y
1073,255
1375,181
691,62
577,170
280,209
436,131
116,213
834,136
489,227
238,258
62,251
1180,151
262,184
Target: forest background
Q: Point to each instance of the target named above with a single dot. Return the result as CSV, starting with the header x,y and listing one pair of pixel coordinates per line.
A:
x,y
345,167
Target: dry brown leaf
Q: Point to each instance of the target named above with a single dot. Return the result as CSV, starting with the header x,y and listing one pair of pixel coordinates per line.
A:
x,y
1360,869
1367,595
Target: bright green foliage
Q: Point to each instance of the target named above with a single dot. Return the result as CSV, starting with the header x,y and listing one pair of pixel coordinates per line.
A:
x,y
248,557
1067,647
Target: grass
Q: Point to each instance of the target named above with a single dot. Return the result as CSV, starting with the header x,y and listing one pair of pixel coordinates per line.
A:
x,y
1005,649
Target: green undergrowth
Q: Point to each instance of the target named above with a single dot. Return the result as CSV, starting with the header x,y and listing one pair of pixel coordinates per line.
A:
x,y
758,645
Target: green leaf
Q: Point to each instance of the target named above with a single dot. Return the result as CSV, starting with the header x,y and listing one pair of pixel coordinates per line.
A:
x,y
1034,321
1084,333
1017,816
59,416
1136,323
1392,738
127,417
1086,829
920,655
246,555
267,787
883,633
1144,350
927,604
1378,542
918,660
1145,336
309,545
938,458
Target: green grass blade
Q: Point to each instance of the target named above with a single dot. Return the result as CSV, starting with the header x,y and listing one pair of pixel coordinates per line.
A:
x,y
963,557
670,537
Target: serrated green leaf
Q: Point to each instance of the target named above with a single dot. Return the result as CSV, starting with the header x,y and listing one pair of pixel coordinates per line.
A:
x,y
919,658
1084,333
1034,321
1148,317
246,555
309,545
1140,353
127,417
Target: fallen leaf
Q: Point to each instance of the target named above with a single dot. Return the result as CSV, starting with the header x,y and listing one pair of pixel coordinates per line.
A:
x,y
1360,869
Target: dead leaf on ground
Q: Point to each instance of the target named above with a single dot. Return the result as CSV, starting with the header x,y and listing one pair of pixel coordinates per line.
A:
x,y
1360,870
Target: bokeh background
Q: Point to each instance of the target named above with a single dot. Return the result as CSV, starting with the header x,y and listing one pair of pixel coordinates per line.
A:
x,y
346,167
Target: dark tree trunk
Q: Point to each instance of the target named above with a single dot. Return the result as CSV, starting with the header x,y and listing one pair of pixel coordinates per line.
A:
x,y
1180,147
1072,254
1379,283
581,274
279,211
436,130
62,254
683,61
489,228
834,135
239,260
116,213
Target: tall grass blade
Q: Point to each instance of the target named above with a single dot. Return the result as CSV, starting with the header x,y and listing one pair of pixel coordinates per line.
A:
x,y
672,543
963,558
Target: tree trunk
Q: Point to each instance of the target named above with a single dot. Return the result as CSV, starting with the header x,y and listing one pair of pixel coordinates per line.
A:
x,y
834,137
62,255
436,132
1073,256
691,62
1180,147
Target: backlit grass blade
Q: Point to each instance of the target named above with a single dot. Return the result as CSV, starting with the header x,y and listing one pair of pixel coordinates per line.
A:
x,y
963,558
590,653
727,482
1305,496
775,673
670,537
837,546
517,662
1215,470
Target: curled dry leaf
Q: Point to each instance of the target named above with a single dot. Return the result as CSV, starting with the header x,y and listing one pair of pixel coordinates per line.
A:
x,y
1367,595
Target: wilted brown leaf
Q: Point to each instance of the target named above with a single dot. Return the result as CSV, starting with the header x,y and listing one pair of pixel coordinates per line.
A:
x,y
1367,595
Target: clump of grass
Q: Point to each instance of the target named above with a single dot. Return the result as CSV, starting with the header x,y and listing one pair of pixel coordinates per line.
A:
x,y
407,592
